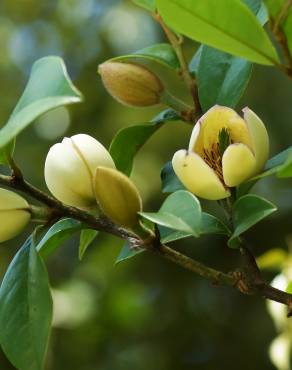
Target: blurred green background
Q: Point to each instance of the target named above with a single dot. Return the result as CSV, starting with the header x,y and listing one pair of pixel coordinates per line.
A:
x,y
144,314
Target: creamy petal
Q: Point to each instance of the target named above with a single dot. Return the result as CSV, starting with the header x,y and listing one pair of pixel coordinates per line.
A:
x,y
197,176
67,177
259,138
212,122
92,152
238,164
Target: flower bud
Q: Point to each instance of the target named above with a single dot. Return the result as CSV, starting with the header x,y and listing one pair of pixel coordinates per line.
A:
x,y
70,168
118,196
131,84
14,214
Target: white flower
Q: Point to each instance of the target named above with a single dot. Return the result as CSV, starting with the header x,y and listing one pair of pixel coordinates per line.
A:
x,y
70,168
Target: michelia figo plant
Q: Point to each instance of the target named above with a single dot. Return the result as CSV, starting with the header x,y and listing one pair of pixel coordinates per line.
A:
x,y
92,190
14,214
224,151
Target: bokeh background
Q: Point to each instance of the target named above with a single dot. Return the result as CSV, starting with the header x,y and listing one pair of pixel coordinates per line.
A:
x,y
143,314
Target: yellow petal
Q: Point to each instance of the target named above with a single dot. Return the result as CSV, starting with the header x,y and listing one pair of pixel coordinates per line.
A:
x,y
238,164
212,122
197,176
117,196
259,138
11,201
12,223
67,177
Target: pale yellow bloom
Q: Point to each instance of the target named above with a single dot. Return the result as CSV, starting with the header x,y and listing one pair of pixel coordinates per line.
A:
x,y
209,173
70,168
14,214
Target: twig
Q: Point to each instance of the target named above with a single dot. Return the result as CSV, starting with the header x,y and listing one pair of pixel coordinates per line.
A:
x,y
276,28
176,42
248,281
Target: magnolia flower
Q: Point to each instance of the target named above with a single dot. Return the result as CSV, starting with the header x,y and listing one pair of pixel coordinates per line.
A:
x,y
224,151
118,197
131,84
70,167
14,214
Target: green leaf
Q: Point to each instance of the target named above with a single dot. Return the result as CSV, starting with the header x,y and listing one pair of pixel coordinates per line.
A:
x,y
25,310
180,211
227,25
248,211
146,4
222,78
86,238
212,225
58,234
128,141
274,259
169,180
209,225
48,87
279,165
161,60
128,252
6,152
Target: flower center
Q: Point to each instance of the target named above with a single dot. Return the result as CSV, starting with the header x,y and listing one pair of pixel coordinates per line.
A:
x,y
213,156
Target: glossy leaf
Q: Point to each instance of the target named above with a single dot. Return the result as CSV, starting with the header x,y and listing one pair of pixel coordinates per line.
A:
x,y
180,211
209,22
25,310
87,236
161,60
248,211
209,225
170,182
222,78
146,4
128,141
58,234
49,86
128,252
279,165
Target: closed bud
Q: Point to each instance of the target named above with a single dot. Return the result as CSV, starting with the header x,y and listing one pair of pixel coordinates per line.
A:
x,y
70,168
117,196
131,84
14,214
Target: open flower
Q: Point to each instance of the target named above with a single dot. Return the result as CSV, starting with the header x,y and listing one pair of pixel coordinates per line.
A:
x,y
224,151
70,168
14,214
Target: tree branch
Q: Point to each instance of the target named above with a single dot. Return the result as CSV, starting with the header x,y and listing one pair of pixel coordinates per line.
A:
x,y
58,209
248,281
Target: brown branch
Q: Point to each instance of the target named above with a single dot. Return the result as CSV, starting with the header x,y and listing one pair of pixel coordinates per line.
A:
x,y
256,283
58,209
248,281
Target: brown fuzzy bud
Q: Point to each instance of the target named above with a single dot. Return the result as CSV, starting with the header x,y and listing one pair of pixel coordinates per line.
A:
x,y
131,84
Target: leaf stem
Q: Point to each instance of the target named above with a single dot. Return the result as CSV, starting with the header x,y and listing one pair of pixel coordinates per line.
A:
x,y
176,43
